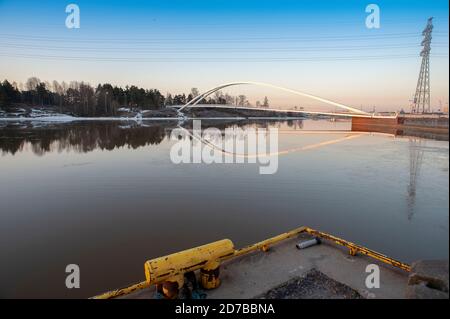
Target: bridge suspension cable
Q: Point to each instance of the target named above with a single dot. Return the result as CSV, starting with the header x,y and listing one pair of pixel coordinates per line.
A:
x,y
198,98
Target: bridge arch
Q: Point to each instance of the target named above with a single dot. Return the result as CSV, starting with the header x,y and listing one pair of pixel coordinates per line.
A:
x,y
198,98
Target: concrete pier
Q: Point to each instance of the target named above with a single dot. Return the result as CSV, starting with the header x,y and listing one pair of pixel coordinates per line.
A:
x,y
256,274
425,126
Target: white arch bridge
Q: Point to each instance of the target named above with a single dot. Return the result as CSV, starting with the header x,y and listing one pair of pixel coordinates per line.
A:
x,y
349,111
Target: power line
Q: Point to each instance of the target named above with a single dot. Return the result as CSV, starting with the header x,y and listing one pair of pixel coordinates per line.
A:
x,y
211,49
214,59
209,40
233,24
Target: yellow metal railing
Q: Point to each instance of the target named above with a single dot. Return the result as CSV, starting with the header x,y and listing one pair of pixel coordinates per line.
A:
x,y
354,249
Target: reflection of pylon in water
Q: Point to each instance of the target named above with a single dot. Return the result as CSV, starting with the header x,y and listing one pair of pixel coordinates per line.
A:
x,y
415,162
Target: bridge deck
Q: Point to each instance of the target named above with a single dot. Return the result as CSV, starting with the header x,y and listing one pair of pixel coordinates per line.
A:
x,y
246,108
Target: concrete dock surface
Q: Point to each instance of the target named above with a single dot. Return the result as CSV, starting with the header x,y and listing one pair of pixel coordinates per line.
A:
x,y
321,271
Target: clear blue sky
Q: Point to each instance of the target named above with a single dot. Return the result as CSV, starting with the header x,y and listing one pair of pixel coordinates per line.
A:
x,y
317,46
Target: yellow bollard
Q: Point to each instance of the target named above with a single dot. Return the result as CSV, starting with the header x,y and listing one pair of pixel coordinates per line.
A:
x,y
209,275
172,266
171,287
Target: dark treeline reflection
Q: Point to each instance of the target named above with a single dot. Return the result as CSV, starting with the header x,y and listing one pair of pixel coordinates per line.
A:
x,y
86,136
80,137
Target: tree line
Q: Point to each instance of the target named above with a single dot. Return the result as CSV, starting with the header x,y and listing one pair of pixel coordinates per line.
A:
x,y
82,99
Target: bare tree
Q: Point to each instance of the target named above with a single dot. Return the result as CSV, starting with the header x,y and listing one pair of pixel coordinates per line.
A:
x,y
229,99
195,92
58,89
218,95
241,100
32,83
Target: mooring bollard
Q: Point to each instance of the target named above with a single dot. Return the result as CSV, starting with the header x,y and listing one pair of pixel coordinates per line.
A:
x,y
168,271
209,275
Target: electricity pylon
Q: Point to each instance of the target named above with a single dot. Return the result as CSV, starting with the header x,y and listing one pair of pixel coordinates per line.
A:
x,y
421,103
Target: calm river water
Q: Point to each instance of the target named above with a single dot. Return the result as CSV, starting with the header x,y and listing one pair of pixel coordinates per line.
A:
x,y
106,196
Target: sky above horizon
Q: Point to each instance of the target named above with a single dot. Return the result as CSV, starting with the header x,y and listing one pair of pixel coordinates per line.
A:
x,y
321,47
